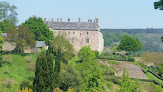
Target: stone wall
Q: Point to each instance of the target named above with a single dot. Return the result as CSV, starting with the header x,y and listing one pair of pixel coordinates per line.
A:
x,y
82,38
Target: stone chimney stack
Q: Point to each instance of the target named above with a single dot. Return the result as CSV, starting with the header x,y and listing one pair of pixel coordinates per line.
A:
x,y
97,20
79,20
52,19
61,19
90,20
57,19
68,19
44,19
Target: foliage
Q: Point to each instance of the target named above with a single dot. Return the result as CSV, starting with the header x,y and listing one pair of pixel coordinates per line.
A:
x,y
8,12
60,44
96,53
155,58
21,38
127,85
25,90
44,80
57,90
6,25
25,84
39,29
69,78
158,5
161,69
70,90
1,45
90,70
86,54
129,44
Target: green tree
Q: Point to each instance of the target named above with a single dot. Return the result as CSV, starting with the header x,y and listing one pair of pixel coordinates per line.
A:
x,y
127,85
21,37
129,44
63,52
41,31
8,12
6,25
158,5
86,54
70,78
44,74
89,69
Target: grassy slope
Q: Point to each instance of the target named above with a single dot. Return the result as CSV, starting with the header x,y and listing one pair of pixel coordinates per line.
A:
x,y
17,71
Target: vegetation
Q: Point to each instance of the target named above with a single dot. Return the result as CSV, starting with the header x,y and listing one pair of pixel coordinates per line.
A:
x,y
152,58
158,5
6,25
8,12
39,29
44,74
129,44
22,38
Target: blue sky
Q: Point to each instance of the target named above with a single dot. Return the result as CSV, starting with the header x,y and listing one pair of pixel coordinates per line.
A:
x,y
111,13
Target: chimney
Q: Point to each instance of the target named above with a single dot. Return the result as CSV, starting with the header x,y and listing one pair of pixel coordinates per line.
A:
x,y
57,19
68,19
61,19
44,19
52,19
90,20
96,20
79,20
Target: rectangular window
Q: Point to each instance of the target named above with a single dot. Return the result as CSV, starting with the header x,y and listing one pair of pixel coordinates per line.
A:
x,y
87,40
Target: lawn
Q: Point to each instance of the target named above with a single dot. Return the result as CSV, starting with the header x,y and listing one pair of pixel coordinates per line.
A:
x,y
151,76
15,70
113,62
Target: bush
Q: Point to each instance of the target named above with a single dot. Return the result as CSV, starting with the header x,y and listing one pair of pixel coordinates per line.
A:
x,y
6,59
31,66
25,84
131,59
28,59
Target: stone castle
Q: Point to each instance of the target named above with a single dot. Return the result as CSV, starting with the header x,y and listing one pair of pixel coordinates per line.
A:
x,y
78,33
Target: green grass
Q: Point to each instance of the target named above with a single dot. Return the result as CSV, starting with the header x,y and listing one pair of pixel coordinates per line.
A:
x,y
151,76
113,62
17,71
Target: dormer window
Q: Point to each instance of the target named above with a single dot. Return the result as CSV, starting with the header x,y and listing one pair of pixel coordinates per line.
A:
x,y
68,26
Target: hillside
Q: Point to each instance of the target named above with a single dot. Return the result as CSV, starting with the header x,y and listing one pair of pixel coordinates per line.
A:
x,y
150,38
16,69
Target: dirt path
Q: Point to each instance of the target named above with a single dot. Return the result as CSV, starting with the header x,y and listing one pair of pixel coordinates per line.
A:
x,y
134,71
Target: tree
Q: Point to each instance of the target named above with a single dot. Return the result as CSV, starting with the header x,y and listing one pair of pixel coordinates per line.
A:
x,y
129,44
21,37
6,25
63,52
158,5
44,74
86,54
89,69
8,12
70,78
41,31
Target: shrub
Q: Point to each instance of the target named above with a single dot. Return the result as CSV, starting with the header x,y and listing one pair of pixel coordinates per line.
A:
x,y
28,59
131,59
25,84
31,66
25,90
57,90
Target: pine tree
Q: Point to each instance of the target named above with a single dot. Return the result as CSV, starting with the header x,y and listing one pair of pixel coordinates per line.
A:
x,y
44,75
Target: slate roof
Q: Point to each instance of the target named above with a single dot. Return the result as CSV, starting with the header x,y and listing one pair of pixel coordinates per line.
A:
x,y
3,34
59,25
40,44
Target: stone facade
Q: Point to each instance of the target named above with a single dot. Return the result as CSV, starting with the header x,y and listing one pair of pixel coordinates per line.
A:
x,y
79,33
